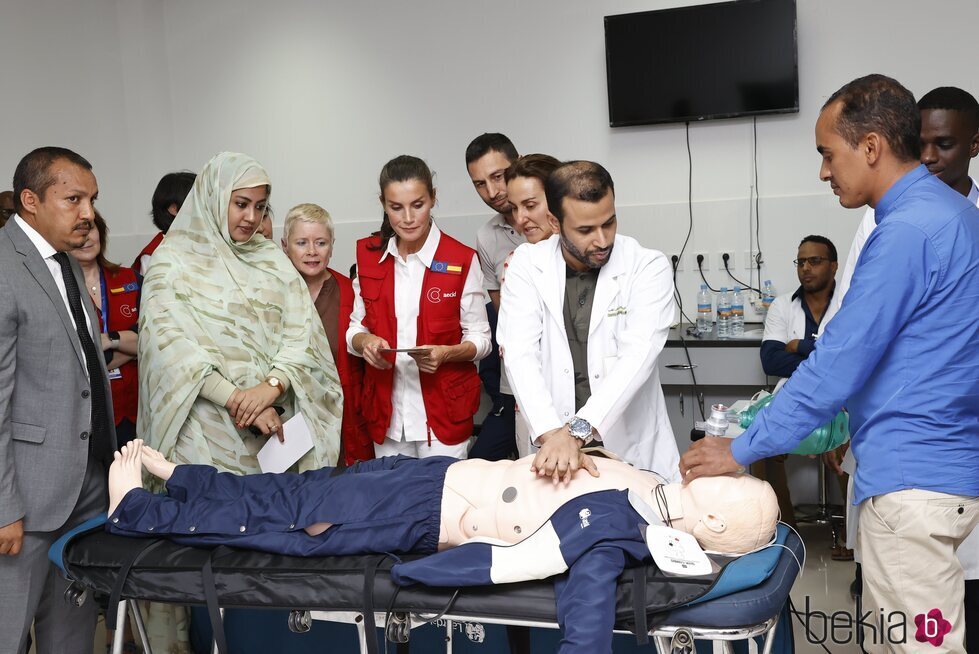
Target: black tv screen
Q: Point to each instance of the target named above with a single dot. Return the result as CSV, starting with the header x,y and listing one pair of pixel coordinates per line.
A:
x,y
708,61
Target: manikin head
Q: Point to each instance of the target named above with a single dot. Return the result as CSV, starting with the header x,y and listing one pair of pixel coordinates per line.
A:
x,y
729,513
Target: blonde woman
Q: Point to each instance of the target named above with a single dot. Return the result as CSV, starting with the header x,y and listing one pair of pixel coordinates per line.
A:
x,y
308,241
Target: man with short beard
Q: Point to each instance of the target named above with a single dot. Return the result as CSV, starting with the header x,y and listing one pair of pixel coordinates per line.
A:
x,y
57,432
583,318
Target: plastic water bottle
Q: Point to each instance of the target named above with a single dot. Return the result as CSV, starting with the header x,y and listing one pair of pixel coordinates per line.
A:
x,y
767,294
737,313
724,313
704,311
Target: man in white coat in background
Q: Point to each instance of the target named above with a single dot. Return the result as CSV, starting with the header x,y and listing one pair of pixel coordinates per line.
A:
x,y
583,318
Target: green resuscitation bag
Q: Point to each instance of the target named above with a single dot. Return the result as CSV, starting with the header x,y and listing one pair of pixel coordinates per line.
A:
x,y
822,439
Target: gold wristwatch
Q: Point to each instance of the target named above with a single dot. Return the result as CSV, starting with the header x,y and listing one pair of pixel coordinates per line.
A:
x,y
275,383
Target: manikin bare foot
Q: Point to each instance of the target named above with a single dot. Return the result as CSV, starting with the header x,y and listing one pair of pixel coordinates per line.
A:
x,y
125,473
156,464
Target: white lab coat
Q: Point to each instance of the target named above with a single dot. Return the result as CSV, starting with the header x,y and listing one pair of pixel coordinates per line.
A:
x,y
631,316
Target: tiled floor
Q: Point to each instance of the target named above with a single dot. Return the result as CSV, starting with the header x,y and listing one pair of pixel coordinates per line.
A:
x,y
826,584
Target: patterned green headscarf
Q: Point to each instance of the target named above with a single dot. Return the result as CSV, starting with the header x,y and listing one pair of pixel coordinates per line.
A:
x,y
240,309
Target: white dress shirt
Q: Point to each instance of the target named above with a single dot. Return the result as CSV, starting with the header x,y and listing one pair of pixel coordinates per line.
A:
x,y
408,416
47,253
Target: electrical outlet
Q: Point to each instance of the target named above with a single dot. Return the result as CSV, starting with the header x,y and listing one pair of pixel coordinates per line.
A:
x,y
704,260
679,260
731,263
749,260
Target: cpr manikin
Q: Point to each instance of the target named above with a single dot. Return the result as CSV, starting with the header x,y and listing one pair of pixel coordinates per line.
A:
x,y
504,500
482,522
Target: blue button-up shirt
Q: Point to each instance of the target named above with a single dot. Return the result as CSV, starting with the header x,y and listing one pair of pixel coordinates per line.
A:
x,y
900,354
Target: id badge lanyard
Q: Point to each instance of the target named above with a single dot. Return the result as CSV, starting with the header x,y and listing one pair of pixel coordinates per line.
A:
x,y
105,302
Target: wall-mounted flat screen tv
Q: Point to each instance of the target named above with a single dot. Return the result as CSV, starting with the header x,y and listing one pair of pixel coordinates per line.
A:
x,y
707,61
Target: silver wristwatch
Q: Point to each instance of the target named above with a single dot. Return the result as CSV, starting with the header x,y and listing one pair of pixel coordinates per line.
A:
x,y
580,428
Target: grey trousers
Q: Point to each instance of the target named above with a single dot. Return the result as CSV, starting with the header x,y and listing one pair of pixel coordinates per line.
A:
x,y
32,589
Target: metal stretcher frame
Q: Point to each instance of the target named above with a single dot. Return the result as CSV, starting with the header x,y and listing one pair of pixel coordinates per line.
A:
x,y
665,638
415,606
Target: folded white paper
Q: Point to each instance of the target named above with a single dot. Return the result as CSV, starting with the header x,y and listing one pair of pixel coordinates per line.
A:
x,y
278,457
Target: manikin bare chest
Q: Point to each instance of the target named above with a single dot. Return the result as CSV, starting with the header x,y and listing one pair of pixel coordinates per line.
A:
x,y
505,501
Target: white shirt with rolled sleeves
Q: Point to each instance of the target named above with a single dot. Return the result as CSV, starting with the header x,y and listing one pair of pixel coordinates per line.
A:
x,y
631,316
408,414
968,552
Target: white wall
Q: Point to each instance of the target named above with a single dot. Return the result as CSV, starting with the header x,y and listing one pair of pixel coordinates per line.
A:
x,y
323,93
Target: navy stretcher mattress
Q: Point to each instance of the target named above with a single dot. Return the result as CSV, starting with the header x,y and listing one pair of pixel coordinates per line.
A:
x,y
749,590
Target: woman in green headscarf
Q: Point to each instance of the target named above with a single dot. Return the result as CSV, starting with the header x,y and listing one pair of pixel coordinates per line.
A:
x,y
228,330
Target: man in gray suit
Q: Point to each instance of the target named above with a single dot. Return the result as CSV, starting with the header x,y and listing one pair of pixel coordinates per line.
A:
x,y
56,426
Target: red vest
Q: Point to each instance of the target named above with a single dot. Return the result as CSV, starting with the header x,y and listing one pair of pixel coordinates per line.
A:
x,y
451,394
355,445
147,251
122,309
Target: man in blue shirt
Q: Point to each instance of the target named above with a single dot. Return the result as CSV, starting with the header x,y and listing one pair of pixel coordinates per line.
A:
x,y
897,355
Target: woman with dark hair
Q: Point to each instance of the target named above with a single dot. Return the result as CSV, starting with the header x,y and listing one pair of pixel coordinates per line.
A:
x,y
419,321
169,196
114,290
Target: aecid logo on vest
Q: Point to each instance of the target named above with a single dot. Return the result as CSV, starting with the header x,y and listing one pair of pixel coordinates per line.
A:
x,y
435,295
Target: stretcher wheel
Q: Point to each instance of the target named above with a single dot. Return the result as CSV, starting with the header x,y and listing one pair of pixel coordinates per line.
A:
x,y
300,622
682,642
75,595
398,628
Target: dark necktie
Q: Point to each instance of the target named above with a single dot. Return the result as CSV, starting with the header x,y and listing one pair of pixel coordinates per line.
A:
x,y
99,444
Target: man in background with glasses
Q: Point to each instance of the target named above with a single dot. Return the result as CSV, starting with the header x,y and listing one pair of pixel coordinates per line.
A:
x,y
790,336
793,319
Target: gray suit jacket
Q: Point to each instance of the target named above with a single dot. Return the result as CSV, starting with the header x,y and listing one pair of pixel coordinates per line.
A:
x,y
45,397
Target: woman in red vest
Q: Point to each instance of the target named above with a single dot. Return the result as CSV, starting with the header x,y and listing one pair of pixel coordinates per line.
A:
x,y
420,292
115,292
168,197
308,242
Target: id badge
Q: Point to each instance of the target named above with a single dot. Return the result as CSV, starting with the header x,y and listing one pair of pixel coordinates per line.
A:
x,y
676,552
115,373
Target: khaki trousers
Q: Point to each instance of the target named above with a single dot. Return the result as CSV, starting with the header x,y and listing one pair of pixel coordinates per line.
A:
x,y
908,540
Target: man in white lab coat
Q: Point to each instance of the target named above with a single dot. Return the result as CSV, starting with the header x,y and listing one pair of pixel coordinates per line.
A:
x,y
584,315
